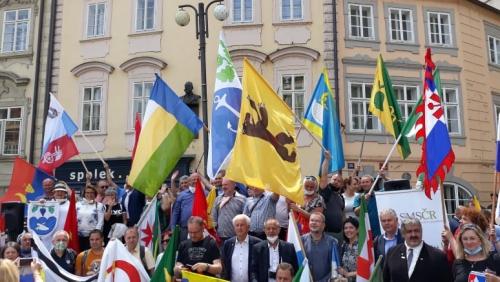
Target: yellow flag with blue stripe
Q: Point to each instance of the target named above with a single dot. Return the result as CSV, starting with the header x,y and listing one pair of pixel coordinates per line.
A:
x,y
321,118
265,150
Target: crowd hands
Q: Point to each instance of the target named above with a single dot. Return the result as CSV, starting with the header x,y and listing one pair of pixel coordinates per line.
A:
x,y
252,232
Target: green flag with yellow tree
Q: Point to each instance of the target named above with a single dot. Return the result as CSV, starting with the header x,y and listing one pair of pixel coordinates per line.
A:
x,y
384,105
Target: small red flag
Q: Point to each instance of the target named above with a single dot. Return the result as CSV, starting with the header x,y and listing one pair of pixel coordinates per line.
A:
x,y
137,128
200,209
71,225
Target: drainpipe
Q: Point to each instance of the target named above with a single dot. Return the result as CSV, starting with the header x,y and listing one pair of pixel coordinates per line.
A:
x,y
34,106
50,61
335,57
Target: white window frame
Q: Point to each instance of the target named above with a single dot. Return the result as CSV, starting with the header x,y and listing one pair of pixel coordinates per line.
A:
x,y
439,34
496,50
16,22
3,128
455,197
294,92
292,8
92,102
144,98
446,105
104,20
144,22
366,104
242,12
360,27
404,104
400,24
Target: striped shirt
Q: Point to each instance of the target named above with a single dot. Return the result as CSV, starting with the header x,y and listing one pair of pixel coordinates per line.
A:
x,y
223,214
259,210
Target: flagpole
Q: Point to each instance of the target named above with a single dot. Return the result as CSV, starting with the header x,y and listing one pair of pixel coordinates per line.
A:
x,y
290,214
310,133
83,163
494,205
144,213
385,162
92,146
443,206
363,142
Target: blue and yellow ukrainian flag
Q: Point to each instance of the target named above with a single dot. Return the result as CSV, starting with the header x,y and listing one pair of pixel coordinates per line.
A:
x,y
168,128
321,119
195,277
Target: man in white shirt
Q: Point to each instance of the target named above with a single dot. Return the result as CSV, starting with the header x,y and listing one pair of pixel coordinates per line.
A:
x,y
236,251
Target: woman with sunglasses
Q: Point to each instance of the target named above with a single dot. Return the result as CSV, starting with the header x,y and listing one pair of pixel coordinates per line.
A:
x,y
90,215
313,202
473,254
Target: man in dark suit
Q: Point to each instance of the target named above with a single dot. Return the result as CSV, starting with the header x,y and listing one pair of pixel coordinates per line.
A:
x,y
267,255
133,201
391,235
455,219
414,260
238,250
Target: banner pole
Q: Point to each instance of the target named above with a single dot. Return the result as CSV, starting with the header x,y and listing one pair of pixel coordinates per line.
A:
x,y
494,204
385,162
92,146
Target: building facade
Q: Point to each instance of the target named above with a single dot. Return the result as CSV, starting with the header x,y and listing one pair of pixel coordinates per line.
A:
x,y
24,83
464,37
110,51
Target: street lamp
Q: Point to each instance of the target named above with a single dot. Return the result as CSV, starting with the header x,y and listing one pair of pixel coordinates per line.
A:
x,y
182,18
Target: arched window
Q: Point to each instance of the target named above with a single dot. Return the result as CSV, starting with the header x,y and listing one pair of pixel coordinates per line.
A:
x,y
455,195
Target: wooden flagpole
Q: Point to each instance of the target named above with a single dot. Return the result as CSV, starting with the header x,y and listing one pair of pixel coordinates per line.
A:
x,y
92,146
494,204
385,162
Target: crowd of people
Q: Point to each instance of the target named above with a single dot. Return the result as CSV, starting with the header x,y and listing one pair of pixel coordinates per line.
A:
x,y
252,233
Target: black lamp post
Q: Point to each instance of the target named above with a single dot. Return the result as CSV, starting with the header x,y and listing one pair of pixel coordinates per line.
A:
x,y
182,19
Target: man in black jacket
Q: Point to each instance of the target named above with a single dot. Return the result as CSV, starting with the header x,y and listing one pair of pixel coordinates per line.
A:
x,y
414,260
238,250
267,255
391,235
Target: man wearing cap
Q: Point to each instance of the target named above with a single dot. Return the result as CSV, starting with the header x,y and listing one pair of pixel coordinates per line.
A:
x,y
60,192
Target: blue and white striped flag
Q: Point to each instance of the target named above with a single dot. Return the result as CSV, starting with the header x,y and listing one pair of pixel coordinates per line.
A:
x,y
293,237
225,112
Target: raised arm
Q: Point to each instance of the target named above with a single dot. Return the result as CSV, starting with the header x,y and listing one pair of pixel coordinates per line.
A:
x,y
323,181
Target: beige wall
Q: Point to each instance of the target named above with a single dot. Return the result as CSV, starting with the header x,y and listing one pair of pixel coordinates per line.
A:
x,y
176,49
465,66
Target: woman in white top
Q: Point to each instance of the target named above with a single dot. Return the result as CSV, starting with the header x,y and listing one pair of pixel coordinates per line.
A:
x,y
351,189
90,216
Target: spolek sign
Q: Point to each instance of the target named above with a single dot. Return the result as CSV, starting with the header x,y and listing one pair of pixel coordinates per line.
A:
x,y
73,172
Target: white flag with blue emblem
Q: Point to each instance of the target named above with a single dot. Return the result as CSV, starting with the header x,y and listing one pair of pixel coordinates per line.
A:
x,y
43,220
225,111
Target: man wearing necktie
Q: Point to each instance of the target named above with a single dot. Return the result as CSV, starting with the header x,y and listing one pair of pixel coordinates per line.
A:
x,y
414,260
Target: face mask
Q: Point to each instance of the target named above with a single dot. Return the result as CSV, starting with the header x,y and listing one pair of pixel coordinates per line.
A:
x,y
60,201
309,193
272,240
60,246
191,189
472,252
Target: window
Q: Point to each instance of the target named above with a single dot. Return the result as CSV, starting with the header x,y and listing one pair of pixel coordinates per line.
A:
x,y
10,130
494,48
361,21
293,90
360,94
439,28
291,9
16,30
92,102
455,195
140,98
95,19
401,25
145,17
242,10
407,99
451,110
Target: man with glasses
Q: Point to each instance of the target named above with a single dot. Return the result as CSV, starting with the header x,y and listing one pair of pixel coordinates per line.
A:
x,y
198,253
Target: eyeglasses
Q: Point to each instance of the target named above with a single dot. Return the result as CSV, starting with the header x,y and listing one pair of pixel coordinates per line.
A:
x,y
104,187
165,241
